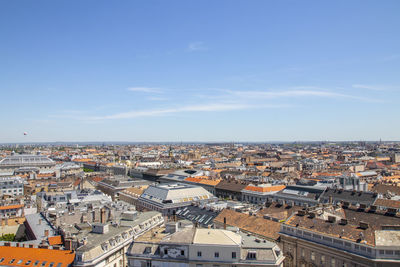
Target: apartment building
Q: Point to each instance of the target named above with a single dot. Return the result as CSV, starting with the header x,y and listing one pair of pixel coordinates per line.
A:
x,y
106,244
333,236
195,247
13,186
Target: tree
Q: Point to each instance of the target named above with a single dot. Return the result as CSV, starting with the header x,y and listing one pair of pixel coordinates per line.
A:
x,y
7,237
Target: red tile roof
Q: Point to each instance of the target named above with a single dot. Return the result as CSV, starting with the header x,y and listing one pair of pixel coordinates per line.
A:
x,y
16,256
55,240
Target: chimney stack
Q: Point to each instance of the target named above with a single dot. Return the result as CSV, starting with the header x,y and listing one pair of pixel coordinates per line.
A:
x,y
68,244
103,216
46,233
224,223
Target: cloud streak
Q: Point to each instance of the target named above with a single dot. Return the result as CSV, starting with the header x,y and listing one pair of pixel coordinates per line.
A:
x,y
230,100
197,46
211,107
145,89
296,92
369,87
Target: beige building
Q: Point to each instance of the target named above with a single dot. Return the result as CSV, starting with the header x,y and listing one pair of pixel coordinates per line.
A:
x,y
195,247
105,244
339,237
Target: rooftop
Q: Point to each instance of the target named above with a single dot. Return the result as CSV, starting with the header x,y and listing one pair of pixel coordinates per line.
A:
x,y
17,256
216,237
253,224
26,160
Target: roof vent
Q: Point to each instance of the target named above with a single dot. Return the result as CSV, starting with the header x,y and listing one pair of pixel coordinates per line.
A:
x,y
331,219
364,225
343,221
372,208
301,213
391,212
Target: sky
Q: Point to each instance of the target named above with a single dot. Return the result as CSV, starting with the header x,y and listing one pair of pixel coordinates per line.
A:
x,y
199,70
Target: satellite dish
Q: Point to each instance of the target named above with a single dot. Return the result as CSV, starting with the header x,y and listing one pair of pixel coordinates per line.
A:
x,y
25,133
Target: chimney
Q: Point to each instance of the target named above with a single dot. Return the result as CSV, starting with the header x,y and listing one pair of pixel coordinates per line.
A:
x,y
103,216
46,233
68,244
343,221
40,221
224,223
330,199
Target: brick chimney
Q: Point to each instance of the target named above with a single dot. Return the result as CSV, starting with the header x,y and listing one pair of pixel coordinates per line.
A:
x,y
68,244
103,218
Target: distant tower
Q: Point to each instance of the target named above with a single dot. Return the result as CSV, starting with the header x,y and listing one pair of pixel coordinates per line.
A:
x,y
170,152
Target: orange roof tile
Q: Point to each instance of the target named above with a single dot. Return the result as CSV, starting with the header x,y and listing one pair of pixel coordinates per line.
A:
x,y
11,207
193,179
55,240
210,182
65,257
82,160
265,188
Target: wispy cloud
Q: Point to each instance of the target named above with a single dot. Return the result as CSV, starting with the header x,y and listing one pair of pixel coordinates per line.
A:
x,y
145,89
229,100
392,57
197,46
156,98
211,107
300,91
369,87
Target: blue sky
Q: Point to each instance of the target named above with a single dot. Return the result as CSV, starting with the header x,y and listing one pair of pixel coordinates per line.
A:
x,y
199,70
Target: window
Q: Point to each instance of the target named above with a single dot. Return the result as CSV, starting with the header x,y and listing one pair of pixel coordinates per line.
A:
x,y
11,261
323,260
389,252
182,253
199,265
312,255
198,253
36,263
216,254
19,262
2,259
233,255
165,251
302,252
252,255
51,264
43,263
333,262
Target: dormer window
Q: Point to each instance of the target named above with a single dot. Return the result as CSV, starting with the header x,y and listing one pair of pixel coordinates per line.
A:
x,y
252,255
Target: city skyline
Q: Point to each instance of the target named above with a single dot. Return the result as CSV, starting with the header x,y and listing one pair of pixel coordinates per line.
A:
x,y
160,71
